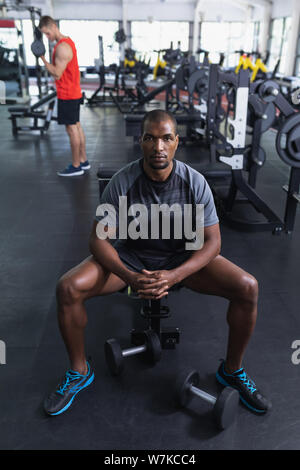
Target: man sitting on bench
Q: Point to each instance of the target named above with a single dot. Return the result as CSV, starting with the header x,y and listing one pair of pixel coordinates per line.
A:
x,y
151,266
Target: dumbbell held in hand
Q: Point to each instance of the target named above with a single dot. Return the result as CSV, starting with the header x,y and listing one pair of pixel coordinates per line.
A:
x,y
37,48
224,406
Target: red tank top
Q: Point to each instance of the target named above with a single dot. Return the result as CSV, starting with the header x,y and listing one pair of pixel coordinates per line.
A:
x,y
68,86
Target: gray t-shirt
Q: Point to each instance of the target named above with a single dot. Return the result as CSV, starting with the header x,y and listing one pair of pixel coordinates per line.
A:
x,y
184,186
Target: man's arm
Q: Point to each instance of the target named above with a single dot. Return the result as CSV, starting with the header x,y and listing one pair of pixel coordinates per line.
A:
x,y
63,55
108,257
211,248
200,258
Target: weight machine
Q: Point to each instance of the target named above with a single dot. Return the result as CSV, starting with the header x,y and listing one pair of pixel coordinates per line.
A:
x,y
258,68
136,98
41,73
232,150
171,58
36,113
104,98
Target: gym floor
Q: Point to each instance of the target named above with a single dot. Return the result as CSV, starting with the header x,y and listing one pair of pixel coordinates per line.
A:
x,y
45,223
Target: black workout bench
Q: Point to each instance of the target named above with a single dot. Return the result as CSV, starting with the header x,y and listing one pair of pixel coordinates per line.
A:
x,y
34,112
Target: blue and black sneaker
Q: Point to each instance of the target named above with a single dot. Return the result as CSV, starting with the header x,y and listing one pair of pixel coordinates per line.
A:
x,y
61,399
85,165
249,394
71,171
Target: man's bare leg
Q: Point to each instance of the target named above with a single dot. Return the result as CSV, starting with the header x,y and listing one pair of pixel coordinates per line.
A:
x,y
82,151
74,136
84,281
224,279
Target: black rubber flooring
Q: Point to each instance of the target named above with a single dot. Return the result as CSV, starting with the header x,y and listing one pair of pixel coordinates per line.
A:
x,y
45,222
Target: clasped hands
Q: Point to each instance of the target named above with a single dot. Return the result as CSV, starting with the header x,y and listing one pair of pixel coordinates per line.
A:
x,y
152,284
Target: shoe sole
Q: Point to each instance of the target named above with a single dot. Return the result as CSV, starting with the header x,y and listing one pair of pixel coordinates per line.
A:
x,y
223,382
70,402
79,173
86,167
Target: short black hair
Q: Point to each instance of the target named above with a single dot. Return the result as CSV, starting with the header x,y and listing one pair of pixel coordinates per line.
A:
x,y
157,115
46,21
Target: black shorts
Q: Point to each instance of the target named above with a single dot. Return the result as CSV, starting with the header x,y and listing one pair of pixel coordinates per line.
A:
x,y
136,263
68,111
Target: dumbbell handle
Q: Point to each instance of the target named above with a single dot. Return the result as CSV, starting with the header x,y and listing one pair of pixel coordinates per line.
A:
x,y
134,350
200,393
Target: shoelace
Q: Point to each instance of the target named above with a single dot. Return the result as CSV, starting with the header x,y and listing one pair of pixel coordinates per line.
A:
x,y
70,377
247,381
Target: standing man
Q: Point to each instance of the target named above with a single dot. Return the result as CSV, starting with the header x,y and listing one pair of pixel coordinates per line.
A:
x,y
64,69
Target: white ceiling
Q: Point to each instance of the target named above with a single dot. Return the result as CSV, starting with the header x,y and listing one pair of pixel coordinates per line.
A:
x,y
245,2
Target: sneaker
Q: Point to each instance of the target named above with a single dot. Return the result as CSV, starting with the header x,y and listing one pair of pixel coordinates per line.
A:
x,y
85,165
61,399
249,394
71,171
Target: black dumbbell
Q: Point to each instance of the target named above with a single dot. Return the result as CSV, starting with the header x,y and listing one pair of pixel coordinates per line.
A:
x,y
224,407
115,355
38,48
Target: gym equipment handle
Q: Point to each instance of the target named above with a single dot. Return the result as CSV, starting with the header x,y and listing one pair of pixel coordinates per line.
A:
x,y
135,350
202,394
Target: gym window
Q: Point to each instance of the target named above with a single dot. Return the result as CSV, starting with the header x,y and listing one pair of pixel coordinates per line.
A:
x,y
8,38
85,34
297,63
147,37
278,42
256,33
227,37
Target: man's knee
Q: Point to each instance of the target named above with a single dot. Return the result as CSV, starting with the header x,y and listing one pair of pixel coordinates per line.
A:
x,y
67,290
248,288
72,129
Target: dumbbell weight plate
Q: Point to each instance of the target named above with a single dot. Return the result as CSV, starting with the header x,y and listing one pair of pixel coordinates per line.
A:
x,y
293,140
295,97
265,88
113,356
226,406
153,346
182,387
287,133
38,48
